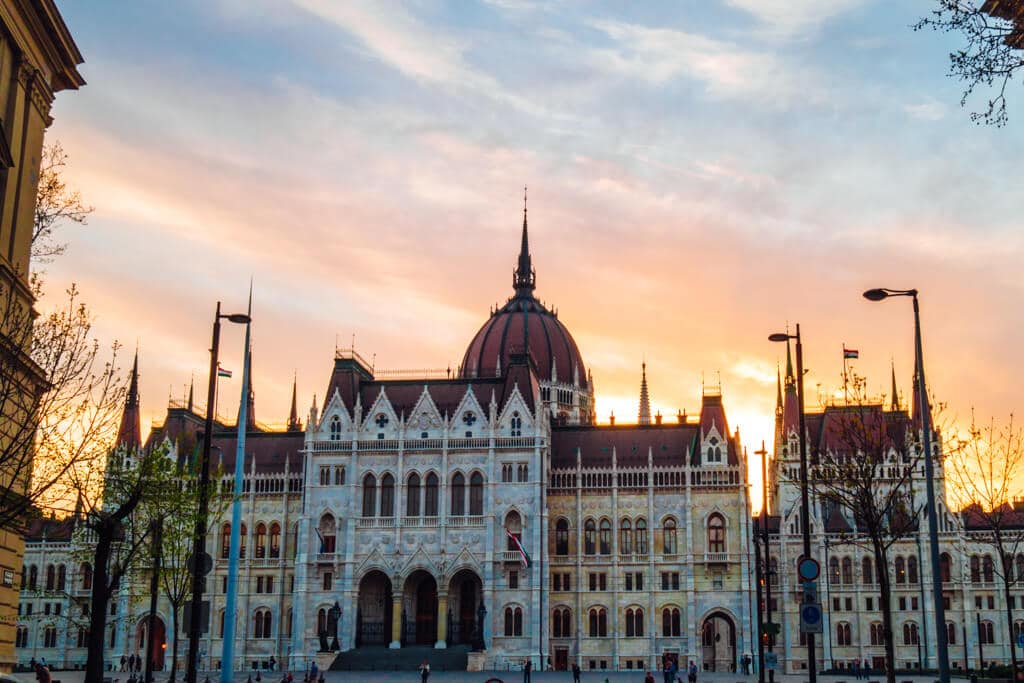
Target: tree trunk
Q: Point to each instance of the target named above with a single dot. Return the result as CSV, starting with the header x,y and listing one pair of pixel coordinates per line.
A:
x,y
885,602
1007,561
174,648
99,605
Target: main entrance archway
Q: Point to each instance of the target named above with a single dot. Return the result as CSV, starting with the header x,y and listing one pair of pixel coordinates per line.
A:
x,y
419,609
373,617
718,642
465,593
158,646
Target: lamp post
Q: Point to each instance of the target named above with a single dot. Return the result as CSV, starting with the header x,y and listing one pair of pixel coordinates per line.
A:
x,y
199,542
926,428
767,550
805,514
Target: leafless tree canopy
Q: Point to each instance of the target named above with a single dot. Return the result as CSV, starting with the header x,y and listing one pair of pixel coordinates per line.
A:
x,y
988,59
55,205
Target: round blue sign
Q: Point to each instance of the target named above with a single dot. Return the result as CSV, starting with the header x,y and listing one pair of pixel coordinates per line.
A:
x,y
808,568
810,614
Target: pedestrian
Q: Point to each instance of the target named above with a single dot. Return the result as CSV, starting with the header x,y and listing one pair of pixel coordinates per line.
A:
x,y
321,679
313,671
124,660
424,671
249,679
575,673
527,668
856,669
42,673
289,677
649,678
32,663
305,677
691,672
273,662
258,677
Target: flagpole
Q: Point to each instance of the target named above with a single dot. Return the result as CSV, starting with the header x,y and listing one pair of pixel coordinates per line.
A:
x,y
227,668
846,396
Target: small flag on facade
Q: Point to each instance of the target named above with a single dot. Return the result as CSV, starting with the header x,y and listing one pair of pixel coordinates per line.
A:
x,y
223,372
850,353
523,556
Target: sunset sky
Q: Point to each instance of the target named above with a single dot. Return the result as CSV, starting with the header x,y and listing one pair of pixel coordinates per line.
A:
x,y
700,174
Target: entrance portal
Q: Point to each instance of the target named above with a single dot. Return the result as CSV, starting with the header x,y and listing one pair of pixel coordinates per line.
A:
x,y
464,598
158,646
718,640
373,617
420,609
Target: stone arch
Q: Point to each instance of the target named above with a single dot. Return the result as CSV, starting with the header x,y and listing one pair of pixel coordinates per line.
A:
x,y
420,608
718,635
465,597
373,611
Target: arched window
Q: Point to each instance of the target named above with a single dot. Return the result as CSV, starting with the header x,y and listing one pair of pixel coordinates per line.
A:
x,y
910,633
1018,628
514,525
476,494
951,633
626,537
842,633
513,621
387,495
430,496
833,571
33,577
21,637
975,569
986,633
987,570
867,571
561,623
275,540
634,623
641,537
335,429
261,540
669,536
1020,568
85,571
62,577
288,623
911,569
241,545
877,634
562,537
670,622
598,622
716,533
321,621
605,538
945,567
261,624
221,621
458,508
50,637
847,570
369,495
589,538
412,496
327,535
339,475
516,425
51,577
901,570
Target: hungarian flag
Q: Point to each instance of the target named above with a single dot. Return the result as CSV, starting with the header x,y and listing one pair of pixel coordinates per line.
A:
x,y
519,546
850,353
223,372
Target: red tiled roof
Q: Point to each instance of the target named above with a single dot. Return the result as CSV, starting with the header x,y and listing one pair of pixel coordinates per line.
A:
x,y
669,445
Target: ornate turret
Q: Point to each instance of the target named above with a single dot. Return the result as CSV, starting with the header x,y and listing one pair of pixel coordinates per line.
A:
x,y
791,406
524,280
895,405
293,418
644,417
129,434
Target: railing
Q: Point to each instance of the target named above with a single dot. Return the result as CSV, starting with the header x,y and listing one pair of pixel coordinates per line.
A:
x,y
417,444
265,562
375,522
716,557
325,557
424,444
423,522
470,520
515,442
475,443
510,556
377,445
633,557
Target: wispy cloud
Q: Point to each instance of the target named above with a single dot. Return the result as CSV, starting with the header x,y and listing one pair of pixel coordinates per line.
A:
x,y
794,18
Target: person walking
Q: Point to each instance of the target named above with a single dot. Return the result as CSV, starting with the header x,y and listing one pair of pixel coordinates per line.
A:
x,y
575,673
272,662
691,672
856,669
527,668
313,670
649,678
424,671
124,660
43,674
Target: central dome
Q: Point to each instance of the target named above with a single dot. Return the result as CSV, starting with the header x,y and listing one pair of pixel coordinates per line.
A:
x,y
524,323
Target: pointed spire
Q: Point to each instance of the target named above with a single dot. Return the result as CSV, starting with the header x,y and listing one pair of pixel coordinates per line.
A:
x,y
790,375
645,400
293,417
129,434
191,387
778,393
790,409
895,395
250,408
525,278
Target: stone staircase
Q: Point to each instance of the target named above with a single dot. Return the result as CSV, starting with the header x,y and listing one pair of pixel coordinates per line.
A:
x,y
381,658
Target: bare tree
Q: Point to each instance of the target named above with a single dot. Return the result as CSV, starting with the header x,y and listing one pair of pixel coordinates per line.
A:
x,y
992,56
987,469
864,473
55,204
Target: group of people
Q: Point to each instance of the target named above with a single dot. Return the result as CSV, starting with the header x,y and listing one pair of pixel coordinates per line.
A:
x,y
132,662
860,671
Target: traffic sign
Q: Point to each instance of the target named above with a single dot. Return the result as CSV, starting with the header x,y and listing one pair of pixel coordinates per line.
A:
x,y
810,618
771,660
808,569
811,591
1020,640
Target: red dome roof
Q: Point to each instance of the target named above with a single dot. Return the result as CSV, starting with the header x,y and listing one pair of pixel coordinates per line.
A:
x,y
502,336
524,323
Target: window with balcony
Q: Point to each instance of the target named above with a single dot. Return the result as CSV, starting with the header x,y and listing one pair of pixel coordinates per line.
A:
x,y
275,540
369,495
716,533
476,494
430,496
458,504
562,537
911,569
225,541
641,536
589,538
412,496
626,537
605,538
387,495
261,540
669,536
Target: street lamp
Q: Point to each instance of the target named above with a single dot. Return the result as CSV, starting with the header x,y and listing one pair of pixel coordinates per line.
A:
x,y
805,515
926,427
199,543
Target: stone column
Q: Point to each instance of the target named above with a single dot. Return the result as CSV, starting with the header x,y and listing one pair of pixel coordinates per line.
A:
x,y
442,620
396,621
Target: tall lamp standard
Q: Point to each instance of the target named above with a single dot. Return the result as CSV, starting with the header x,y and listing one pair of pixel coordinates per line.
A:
x,y
805,515
199,543
926,427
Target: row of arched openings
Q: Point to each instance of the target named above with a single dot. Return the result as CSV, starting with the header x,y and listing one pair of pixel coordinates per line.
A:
x,y
267,540
467,497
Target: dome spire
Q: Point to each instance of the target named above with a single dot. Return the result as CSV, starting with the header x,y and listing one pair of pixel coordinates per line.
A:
x,y
524,279
645,400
